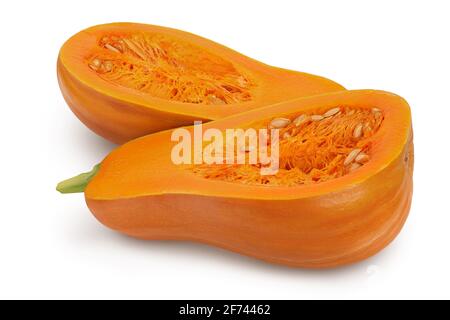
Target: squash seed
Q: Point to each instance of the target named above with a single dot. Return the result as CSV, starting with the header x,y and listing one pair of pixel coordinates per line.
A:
x,y
130,44
362,158
95,64
300,119
357,132
367,127
354,166
111,48
108,65
215,100
331,112
279,123
378,115
317,117
351,156
242,81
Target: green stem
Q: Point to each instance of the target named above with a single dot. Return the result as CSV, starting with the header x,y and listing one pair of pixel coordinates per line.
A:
x,y
79,183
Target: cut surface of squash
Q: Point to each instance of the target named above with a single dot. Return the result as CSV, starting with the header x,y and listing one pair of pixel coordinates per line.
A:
x,y
125,80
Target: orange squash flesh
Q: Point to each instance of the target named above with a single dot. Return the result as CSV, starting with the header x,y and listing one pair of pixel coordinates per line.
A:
x,y
125,80
140,192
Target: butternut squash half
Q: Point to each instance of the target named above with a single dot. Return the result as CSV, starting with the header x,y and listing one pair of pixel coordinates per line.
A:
x,y
342,192
126,80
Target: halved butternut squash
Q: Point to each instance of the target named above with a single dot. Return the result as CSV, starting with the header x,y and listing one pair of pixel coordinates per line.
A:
x,y
126,80
342,192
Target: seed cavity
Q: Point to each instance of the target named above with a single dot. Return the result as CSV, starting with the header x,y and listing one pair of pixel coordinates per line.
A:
x,y
168,68
309,153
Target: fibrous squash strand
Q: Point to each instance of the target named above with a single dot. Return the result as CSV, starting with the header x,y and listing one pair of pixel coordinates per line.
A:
x,y
314,147
169,69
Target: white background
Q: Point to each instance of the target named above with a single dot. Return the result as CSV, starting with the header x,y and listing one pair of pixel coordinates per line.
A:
x,y
52,247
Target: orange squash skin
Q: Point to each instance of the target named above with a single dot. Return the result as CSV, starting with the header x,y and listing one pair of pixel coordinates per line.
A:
x,y
293,233
119,115
325,225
